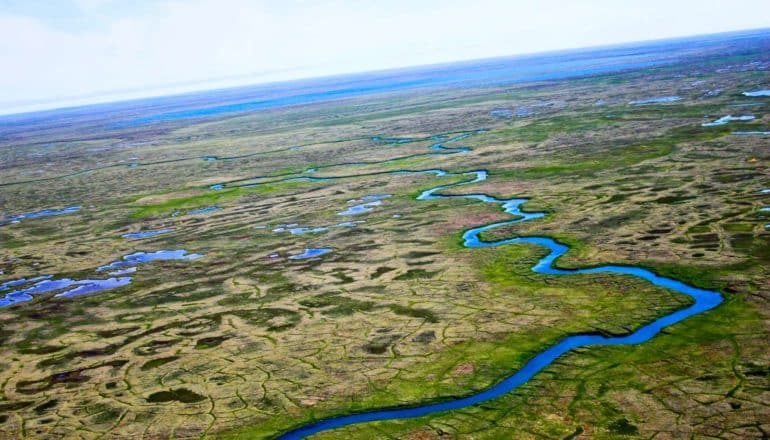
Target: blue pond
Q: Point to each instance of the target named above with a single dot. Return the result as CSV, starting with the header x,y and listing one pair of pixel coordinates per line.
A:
x,y
376,197
752,133
45,285
301,230
501,113
143,257
147,234
725,119
37,214
123,271
703,300
285,227
523,112
310,253
22,281
349,224
86,287
756,93
371,201
360,209
205,210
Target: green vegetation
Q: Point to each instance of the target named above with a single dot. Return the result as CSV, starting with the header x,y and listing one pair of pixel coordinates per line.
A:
x,y
213,198
245,342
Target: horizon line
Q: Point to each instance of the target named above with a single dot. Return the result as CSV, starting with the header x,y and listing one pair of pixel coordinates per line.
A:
x,y
167,90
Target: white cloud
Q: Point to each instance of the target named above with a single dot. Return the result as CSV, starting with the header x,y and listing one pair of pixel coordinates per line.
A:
x,y
180,45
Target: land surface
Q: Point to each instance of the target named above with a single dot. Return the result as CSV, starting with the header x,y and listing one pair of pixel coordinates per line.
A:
x,y
245,342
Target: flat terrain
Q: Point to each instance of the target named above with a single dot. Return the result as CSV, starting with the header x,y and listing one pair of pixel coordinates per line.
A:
x,y
242,341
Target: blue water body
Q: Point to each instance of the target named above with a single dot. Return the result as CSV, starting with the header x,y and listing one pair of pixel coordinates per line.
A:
x,y
37,214
747,104
147,234
349,224
205,210
371,201
501,113
757,93
50,212
86,287
657,100
21,281
46,284
285,227
144,257
523,112
301,231
725,119
703,300
498,71
751,133
310,253
376,197
360,209
69,288
125,271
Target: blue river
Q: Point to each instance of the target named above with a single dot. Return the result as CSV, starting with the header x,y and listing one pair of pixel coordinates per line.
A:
x,y
703,300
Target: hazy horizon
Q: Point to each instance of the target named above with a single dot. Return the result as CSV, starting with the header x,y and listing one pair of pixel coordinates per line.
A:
x,y
100,53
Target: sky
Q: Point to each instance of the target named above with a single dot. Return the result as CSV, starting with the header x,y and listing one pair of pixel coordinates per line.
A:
x,y
56,53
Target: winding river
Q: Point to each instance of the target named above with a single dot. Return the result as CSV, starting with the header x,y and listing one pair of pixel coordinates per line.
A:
x,y
703,300
437,148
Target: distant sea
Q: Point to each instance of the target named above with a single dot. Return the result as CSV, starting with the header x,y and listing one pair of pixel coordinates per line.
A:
x,y
477,73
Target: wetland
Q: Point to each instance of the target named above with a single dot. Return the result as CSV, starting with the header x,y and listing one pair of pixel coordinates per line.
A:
x,y
548,249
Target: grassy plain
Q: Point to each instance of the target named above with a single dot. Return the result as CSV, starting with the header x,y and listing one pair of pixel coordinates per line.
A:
x,y
246,343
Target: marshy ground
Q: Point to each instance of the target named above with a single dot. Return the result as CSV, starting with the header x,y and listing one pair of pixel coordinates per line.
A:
x,y
245,342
